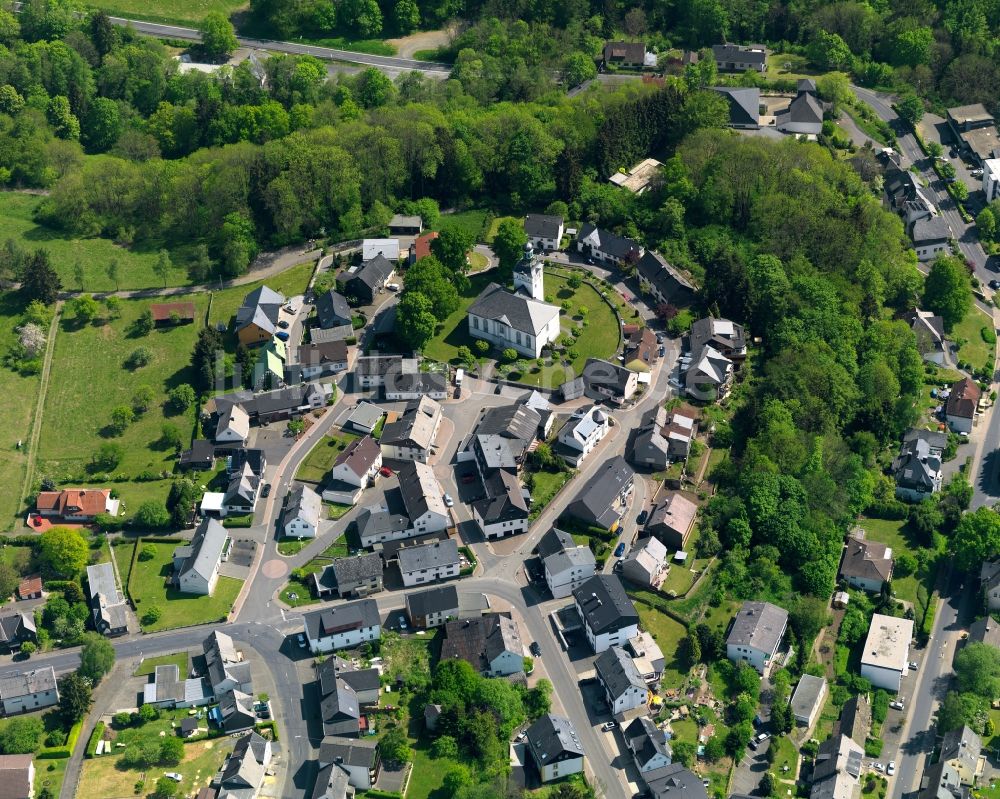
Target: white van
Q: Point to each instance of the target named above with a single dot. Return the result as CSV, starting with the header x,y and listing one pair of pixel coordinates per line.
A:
x,y
459,374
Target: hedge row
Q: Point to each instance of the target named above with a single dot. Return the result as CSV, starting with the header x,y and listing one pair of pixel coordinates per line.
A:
x,y
238,521
270,725
95,737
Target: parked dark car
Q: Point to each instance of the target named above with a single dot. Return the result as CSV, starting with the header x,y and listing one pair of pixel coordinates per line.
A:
x,y
641,518
620,549
266,491
535,649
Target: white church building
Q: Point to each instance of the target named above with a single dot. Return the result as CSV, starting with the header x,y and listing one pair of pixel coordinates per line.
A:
x,y
521,318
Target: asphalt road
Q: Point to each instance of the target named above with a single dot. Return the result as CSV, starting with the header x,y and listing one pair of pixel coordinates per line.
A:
x,y
386,63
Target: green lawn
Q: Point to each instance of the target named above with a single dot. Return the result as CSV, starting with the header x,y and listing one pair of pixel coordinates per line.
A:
x,y
785,755
495,226
89,380
16,411
148,588
546,485
898,535
320,459
292,546
478,261
302,591
135,267
797,67
468,222
17,557
679,580
668,634
183,12
148,665
974,349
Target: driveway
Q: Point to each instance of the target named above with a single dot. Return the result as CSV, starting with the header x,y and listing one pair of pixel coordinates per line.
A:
x,y
751,770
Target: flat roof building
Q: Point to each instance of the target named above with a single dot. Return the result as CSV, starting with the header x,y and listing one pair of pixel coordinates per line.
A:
x,y
886,652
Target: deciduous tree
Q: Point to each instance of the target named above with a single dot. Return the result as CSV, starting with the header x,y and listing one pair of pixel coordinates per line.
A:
x,y
63,551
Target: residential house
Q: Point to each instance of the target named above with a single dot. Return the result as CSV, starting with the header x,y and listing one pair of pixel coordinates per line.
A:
x,y
406,385
985,631
555,747
76,504
359,758
929,331
242,775
235,712
30,587
674,782
641,348
241,494
606,247
200,456
608,615
491,644
646,563
269,368
433,607
838,769
603,380
17,777
339,709
582,433
886,654
370,370
856,717
503,437
640,178
303,512
169,314
332,310
740,58
429,562
941,781
726,337
518,321
365,418
866,565
931,237
566,564
377,525
364,682
624,688
503,510
989,581
628,54
421,247
107,604
603,498
196,565
708,375
332,782
233,426
804,115
991,179
962,750
664,282
401,225
256,459
342,626
412,436
648,744
662,439
373,248
647,656
318,359
672,519
962,405
423,498
257,317
744,106
15,629
541,405
355,468
755,634
808,699
974,131
917,468
365,282
354,576
225,666
26,691
680,430
168,690
544,231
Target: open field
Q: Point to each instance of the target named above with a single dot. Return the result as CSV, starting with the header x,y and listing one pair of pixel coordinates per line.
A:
x,y
787,66
148,588
89,380
974,349
321,457
202,759
135,267
20,397
469,222
179,659
183,12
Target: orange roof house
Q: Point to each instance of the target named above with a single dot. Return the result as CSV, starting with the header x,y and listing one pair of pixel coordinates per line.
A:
x,y
77,504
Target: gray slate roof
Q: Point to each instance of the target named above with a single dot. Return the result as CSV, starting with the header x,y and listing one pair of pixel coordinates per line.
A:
x,y
744,104
617,671
543,226
608,242
27,683
357,568
807,694
674,781
352,615
758,625
332,310
593,502
433,600
515,310
553,738
428,556
929,230
206,549
605,604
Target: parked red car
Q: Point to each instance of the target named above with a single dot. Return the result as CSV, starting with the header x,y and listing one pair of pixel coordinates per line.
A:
x,y
385,471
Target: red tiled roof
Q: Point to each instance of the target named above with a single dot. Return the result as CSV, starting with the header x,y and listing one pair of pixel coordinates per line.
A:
x,y
162,311
76,501
422,245
30,586
963,399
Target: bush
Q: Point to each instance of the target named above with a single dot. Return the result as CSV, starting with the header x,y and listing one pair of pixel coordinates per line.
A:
x,y
147,553
138,358
152,615
873,747
880,706
95,736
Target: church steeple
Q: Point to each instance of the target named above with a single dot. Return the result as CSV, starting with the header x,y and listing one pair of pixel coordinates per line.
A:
x,y
528,275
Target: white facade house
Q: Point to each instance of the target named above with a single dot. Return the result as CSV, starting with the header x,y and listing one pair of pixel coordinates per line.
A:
x,y
412,436
609,617
355,469
555,747
197,564
233,426
584,431
991,179
30,690
303,513
544,231
427,563
755,634
342,626
423,498
567,565
624,687
887,651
